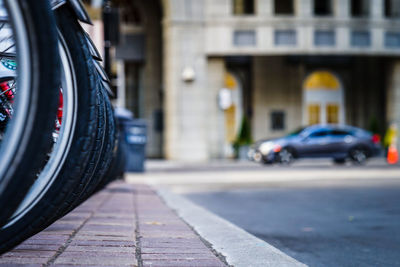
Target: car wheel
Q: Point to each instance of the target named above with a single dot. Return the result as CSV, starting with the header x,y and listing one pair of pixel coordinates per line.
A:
x,y
257,157
285,156
358,155
339,161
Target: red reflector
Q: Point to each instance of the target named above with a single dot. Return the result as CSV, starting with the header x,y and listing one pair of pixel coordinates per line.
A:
x,y
7,91
376,138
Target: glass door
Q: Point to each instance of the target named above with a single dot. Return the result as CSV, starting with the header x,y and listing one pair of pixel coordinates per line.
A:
x,y
314,111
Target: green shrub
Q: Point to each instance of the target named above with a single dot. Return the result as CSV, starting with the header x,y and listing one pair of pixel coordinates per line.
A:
x,y
244,136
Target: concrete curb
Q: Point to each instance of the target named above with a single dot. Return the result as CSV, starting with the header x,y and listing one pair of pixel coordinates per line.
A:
x,y
236,245
260,176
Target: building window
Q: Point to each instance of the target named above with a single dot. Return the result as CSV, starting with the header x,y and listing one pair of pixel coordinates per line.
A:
x,y
392,8
243,7
277,120
284,7
323,7
244,38
285,37
361,39
360,8
392,39
314,111
332,113
324,38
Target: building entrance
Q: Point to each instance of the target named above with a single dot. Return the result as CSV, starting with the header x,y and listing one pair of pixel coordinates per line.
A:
x,y
323,99
234,113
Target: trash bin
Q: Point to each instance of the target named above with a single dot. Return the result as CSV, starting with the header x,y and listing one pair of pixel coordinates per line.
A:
x,y
133,137
134,133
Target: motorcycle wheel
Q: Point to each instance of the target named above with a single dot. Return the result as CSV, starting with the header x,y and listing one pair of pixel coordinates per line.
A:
x,y
77,151
27,137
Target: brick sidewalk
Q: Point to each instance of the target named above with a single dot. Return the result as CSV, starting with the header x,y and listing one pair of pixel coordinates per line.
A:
x,y
124,225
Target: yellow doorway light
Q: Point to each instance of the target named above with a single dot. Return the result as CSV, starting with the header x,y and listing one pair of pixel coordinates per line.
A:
x,y
230,81
321,80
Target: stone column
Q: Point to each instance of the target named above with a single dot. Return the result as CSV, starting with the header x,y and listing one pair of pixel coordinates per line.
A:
x,y
393,97
121,86
342,9
304,8
218,8
265,8
216,123
185,103
377,9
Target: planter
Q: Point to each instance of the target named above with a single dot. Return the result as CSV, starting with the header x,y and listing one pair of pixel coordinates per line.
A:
x,y
243,152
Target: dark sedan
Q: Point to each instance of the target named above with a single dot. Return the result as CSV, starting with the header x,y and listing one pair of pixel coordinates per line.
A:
x,y
339,142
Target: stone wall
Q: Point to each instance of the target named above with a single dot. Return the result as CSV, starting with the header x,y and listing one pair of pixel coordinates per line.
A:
x,y
277,87
393,96
185,103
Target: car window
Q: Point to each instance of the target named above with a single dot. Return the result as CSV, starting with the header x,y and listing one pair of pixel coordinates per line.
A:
x,y
338,132
319,134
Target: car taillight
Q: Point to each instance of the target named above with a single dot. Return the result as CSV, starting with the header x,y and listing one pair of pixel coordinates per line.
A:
x,y
376,138
277,148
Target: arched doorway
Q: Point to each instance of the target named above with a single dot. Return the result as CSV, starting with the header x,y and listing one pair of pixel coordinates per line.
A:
x,y
323,99
233,114
139,66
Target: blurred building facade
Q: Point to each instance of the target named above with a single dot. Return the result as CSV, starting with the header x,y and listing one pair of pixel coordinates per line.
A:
x,y
195,68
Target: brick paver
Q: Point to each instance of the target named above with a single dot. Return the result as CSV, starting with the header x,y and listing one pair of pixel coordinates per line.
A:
x,y
123,225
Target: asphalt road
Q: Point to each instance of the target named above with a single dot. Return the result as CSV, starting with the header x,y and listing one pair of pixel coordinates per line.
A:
x,y
341,222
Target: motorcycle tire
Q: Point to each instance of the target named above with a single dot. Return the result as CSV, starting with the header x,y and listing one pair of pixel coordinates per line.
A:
x,y
109,149
67,183
28,135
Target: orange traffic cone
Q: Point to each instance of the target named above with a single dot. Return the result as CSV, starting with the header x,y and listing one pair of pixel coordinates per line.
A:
x,y
393,155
